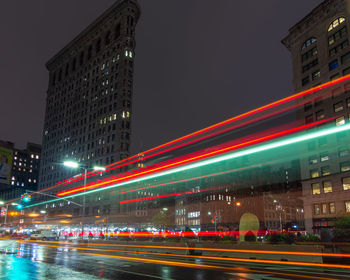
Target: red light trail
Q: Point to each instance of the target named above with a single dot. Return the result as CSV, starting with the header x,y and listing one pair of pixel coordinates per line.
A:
x,y
195,158
249,113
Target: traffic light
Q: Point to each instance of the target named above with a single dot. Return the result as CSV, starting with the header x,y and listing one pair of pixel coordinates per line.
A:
x,y
19,206
26,197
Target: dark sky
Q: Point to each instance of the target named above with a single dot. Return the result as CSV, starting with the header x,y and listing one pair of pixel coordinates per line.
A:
x,y
197,62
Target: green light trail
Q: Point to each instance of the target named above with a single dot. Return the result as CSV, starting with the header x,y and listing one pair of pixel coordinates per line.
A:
x,y
256,149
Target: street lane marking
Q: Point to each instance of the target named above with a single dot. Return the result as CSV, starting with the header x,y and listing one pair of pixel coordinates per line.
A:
x,y
188,264
208,257
200,249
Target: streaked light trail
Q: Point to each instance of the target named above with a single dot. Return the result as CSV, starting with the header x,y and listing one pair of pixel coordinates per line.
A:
x,y
236,154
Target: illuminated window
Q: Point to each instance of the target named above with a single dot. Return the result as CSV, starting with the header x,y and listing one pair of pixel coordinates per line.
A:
x,y
347,206
343,152
317,209
345,166
308,42
316,189
314,173
309,119
332,208
313,159
346,183
338,48
327,186
324,156
325,170
338,107
320,115
324,208
336,23
315,75
337,36
333,64
340,121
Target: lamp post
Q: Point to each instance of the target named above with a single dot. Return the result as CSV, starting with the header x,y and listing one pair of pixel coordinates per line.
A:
x,y
73,164
7,208
279,209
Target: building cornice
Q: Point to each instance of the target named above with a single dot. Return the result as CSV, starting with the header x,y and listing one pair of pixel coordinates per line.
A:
x,y
109,13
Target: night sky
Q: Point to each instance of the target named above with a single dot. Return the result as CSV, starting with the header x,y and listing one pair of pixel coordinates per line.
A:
x,y
197,62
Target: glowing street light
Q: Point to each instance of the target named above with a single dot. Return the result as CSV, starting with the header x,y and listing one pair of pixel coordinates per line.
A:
x,y
71,164
74,164
99,168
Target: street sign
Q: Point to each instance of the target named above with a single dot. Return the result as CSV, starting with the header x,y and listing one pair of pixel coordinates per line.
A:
x,y
3,211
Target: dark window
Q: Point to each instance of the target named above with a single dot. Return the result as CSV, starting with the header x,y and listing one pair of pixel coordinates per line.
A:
x,y
305,81
345,58
98,45
307,106
310,53
117,31
108,38
74,63
66,72
89,52
60,75
81,58
335,76
346,71
310,65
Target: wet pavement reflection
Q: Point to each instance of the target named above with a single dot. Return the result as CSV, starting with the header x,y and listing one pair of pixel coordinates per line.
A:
x,y
40,261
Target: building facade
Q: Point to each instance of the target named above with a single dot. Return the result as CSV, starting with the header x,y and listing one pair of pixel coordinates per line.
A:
x,y
89,96
320,52
24,170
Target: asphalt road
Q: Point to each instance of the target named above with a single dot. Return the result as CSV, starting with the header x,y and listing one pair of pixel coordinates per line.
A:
x,y
36,260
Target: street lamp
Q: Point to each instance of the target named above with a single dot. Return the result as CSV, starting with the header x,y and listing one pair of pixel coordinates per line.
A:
x,y
74,164
279,209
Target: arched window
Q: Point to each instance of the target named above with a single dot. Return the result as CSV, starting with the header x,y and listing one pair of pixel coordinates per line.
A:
x,y
308,42
335,23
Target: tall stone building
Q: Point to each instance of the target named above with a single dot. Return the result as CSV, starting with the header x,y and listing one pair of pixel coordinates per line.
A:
x,y
89,97
320,51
